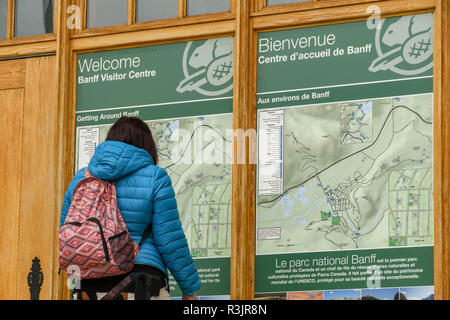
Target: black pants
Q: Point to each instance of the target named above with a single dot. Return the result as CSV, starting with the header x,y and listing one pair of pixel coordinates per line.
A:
x,y
148,282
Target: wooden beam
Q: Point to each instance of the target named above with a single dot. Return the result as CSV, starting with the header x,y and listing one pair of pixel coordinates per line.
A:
x,y
441,157
65,120
182,8
337,14
259,5
243,175
145,37
446,106
10,18
310,5
131,12
233,6
156,24
28,49
83,6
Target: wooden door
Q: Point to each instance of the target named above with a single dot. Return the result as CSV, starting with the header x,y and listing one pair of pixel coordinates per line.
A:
x,y
28,217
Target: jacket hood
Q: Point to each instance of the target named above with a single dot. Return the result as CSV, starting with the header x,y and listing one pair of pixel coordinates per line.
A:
x,y
114,160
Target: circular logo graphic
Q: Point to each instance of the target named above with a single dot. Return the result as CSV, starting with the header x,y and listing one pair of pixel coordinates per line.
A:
x,y
208,67
404,46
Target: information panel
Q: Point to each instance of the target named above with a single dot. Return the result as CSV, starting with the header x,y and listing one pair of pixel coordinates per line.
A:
x,y
184,93
345,128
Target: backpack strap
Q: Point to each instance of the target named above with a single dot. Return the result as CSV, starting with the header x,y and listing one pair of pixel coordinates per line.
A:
x,y
142,286
121,286
149,228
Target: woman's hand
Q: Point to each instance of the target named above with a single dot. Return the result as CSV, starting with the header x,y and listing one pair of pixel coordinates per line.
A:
x,y
189,297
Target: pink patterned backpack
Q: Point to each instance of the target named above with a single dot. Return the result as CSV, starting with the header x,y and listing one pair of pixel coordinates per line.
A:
x,y
94,236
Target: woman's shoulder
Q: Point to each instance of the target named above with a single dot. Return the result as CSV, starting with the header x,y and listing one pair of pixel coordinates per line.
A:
x,y
153,171
146,176
77,178
152,175
79,174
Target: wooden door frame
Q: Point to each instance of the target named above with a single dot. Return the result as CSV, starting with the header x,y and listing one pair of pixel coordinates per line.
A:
x,y
70,43
441,130
245,29
246,19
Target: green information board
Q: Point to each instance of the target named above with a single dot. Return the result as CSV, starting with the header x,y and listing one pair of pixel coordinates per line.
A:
x,y
345,161
184,93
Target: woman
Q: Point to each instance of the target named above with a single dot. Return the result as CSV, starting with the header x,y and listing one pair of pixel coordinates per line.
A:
x,y
144,196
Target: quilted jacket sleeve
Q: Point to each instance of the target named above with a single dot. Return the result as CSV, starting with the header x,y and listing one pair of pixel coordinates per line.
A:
x,y
68,195
169,236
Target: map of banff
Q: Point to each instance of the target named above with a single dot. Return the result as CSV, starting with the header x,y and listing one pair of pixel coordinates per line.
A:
x,y
357,175
196,153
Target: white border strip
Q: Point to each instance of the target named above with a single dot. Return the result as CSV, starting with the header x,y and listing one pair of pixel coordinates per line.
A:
x,y
344,85
155,120
154,104
343,250
265,109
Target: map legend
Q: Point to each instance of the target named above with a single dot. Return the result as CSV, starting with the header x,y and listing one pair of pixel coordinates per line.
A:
x,y
270,148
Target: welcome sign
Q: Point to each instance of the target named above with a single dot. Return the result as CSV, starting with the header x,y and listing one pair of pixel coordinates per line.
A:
x,y
184,92
344,192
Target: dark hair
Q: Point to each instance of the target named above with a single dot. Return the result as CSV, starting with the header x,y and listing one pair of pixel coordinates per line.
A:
x,y
134,131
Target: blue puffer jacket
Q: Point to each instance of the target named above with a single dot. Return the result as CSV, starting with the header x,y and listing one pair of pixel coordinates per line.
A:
x,y
144,195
